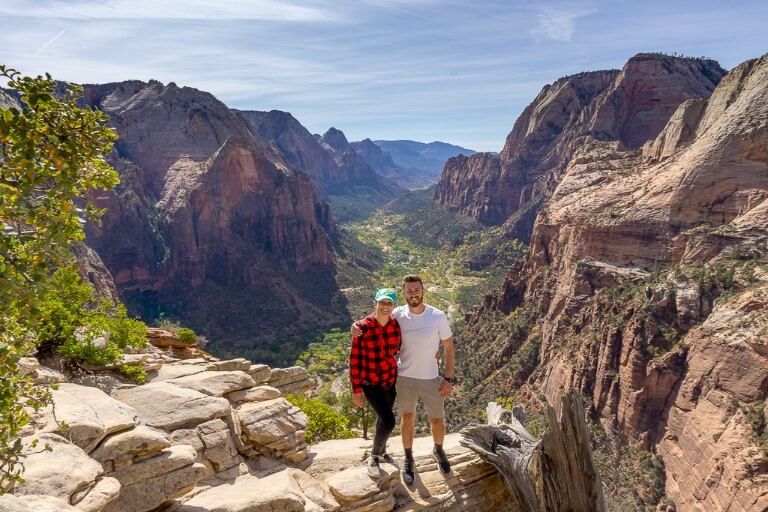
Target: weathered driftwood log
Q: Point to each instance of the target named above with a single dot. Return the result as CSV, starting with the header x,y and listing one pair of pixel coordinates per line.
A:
x,y
554,473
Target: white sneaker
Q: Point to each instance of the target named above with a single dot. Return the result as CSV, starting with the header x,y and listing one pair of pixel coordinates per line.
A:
x,y
373,466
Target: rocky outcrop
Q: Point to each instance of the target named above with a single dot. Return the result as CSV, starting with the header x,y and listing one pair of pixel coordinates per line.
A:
x,y
208,213
210,436
630,106
642,289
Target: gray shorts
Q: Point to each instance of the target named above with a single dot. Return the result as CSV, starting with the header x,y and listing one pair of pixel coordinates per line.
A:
x,y
409,390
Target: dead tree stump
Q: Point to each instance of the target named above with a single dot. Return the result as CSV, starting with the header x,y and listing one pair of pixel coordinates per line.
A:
x,y
554,473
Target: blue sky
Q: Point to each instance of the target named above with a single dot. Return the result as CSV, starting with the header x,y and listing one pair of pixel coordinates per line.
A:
x,y
459,72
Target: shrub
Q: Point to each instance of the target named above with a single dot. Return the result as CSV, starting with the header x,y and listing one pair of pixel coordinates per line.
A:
x,y
187,336
324,421
52,154
135,372
80,332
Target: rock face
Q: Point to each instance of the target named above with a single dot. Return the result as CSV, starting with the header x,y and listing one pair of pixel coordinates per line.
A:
x,y
300,148
208,213
181,447
420,163
644,289
631,106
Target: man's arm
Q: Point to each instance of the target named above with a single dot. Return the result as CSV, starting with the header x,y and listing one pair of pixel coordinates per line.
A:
x,y
450,357
450,363
355,330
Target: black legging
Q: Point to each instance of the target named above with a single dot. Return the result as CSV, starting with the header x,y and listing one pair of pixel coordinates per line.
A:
x,y
382,401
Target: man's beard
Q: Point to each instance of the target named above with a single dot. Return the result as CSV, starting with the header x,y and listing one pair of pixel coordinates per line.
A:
x,y
415,301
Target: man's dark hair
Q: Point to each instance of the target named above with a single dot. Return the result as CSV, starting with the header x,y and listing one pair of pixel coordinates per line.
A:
x,y
413,278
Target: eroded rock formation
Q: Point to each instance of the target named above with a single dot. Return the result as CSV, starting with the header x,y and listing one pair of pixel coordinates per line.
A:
x,y
210,223
211,435
645,289
630,106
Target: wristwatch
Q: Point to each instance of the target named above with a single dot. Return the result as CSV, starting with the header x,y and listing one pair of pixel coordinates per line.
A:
x,y
449,379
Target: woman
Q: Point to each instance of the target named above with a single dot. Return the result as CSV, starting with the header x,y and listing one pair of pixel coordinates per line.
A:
x,y
373,370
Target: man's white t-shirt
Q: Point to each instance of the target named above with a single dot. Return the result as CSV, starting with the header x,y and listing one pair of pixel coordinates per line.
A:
x,y
421,336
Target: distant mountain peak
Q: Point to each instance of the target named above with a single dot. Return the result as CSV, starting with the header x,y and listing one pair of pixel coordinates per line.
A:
x,y
335,139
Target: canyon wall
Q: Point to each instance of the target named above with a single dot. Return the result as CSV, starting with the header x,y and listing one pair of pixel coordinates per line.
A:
x,y
630,106
210,224
645,287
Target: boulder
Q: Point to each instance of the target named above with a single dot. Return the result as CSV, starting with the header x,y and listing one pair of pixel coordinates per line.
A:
x,y
257,394
60,472
120,449
259,373
355,490
103,492
166,406
89,414
215,383
45,375
219,448
162,338
27,365
273,427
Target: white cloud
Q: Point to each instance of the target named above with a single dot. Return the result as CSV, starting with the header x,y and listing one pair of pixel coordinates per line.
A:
x,y
274,10
555,25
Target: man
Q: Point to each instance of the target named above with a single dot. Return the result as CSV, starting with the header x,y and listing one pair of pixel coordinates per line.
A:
x,y
423,328
373,370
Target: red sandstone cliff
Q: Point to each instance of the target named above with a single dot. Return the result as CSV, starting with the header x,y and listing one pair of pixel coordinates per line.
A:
x,y
210,223
646,289
631,106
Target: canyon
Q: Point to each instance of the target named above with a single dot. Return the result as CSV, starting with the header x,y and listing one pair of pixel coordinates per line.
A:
x,y
644,285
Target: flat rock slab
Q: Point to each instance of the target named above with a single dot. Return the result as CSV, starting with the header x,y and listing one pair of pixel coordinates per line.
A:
x,y
166,461
164,405
149,494
174,371
60,472
354,484
215,383
89,413
137,442
257,394
34,503
229,365
275,493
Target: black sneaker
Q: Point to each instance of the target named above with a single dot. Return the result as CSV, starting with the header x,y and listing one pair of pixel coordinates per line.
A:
x,y
387,458
442,460
373,466
408,476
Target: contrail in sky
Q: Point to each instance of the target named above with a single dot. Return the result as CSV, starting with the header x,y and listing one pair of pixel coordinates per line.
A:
x,y
51,40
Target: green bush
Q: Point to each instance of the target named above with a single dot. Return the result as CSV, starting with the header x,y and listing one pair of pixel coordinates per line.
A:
x,y
52,154
187,336
72,326
324,421
135,372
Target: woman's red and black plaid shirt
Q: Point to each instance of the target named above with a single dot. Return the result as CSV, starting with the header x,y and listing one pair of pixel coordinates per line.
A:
x,y
373,357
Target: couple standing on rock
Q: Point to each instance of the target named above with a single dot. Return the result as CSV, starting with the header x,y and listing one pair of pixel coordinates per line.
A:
x,y
393,354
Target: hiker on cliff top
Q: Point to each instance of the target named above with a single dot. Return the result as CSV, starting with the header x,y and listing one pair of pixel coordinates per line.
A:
x,y
373,370
423,328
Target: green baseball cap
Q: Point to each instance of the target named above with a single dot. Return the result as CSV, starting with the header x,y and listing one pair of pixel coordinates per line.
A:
x,y
386,294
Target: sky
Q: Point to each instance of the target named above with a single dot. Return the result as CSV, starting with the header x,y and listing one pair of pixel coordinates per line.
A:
x,y
459,72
